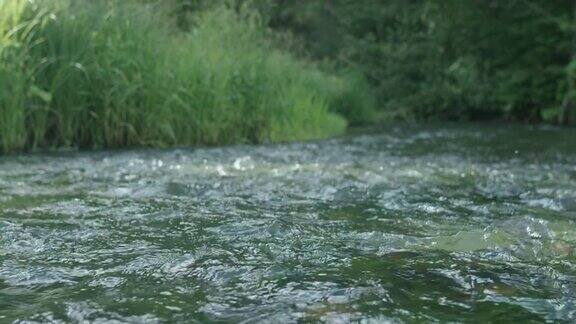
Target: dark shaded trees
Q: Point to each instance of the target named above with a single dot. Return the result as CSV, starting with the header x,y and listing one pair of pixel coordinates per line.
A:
x,y
455,59
439,59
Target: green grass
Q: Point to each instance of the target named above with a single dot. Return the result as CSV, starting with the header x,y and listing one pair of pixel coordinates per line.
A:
x,y
94,74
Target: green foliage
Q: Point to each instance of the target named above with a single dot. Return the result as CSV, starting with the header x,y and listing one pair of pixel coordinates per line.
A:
x,y
115,74
444,59
229,72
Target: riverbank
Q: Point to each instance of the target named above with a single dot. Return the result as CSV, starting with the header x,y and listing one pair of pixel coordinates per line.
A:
x,y
144,73
118,74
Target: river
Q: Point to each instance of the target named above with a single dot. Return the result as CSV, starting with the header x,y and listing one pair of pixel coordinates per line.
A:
x,y
452,222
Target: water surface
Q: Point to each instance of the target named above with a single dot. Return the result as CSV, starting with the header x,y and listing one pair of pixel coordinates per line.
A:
x,y
444,223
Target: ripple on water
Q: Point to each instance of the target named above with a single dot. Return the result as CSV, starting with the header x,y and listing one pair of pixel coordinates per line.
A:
x,y
445,223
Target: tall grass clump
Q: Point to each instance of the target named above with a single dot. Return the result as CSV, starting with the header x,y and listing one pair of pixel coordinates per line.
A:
x,y
115,74
234,85
86,71
12,79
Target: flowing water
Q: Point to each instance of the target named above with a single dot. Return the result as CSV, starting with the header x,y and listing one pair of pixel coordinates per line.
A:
x,y
444,223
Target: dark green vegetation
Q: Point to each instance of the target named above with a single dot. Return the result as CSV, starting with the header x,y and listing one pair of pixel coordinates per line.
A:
x,y
416,225
108,73
448,59
441,59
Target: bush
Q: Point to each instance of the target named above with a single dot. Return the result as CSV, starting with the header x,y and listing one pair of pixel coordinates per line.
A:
x,y
116,74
